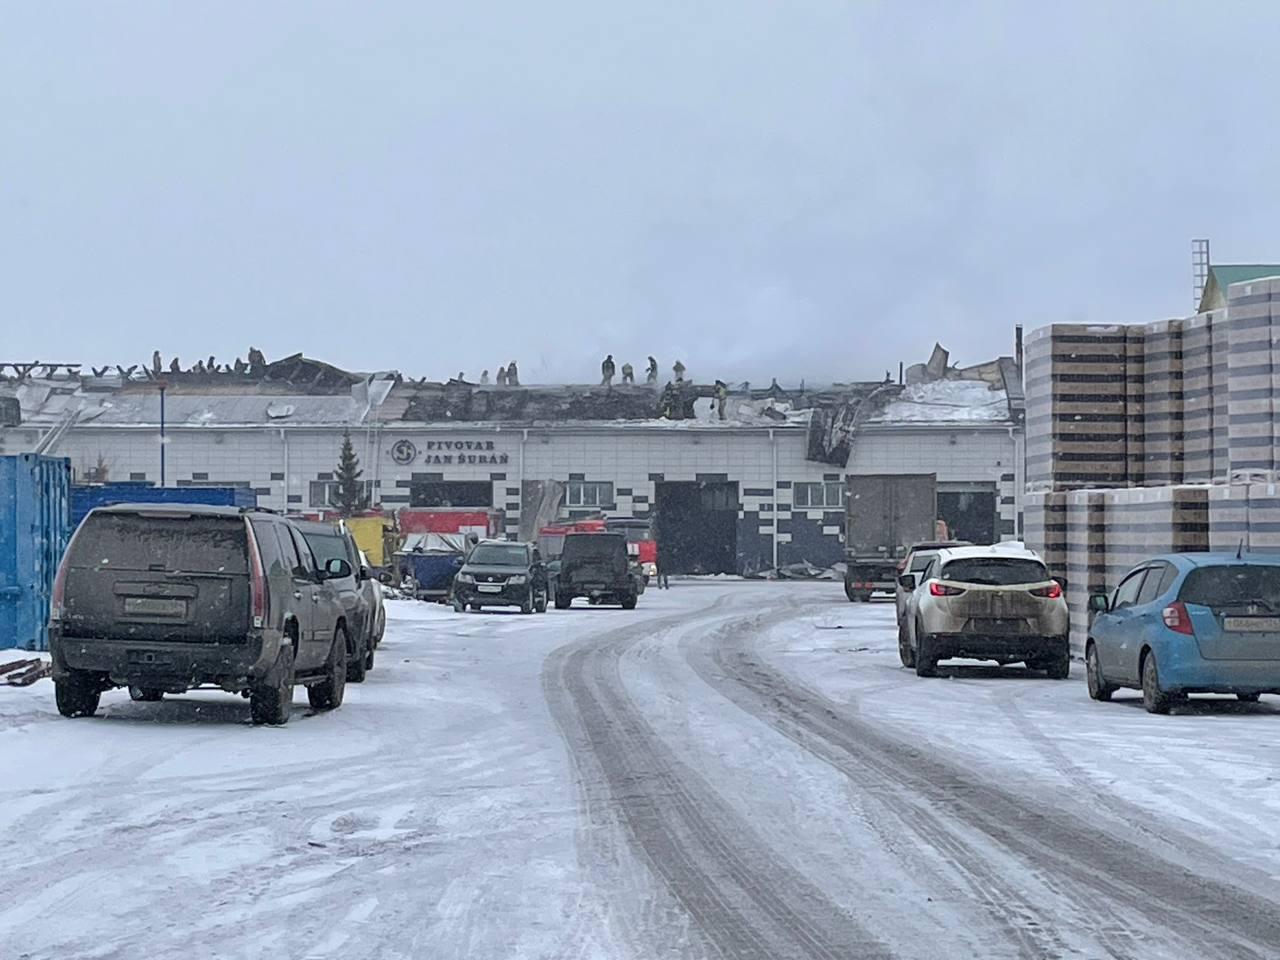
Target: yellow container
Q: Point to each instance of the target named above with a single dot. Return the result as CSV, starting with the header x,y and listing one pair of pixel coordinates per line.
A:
x,y
367,532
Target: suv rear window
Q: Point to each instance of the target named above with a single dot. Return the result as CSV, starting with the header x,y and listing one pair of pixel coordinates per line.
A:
x,y
130,541
593,545
1233,586
995,571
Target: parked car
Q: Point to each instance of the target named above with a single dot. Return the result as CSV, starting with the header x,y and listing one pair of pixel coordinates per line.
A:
x,y
330,541
1188,623
372,588
917,561
598,567
166,598
985,603
502,573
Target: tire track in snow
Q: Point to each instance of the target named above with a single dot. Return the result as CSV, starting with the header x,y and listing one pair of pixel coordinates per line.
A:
x,y
744,900
1088,865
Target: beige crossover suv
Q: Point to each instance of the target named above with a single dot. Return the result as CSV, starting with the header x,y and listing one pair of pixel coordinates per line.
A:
x,y
985,603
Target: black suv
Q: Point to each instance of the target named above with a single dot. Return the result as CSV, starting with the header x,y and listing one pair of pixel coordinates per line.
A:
x,y
500,573
328,541
165,598
596,566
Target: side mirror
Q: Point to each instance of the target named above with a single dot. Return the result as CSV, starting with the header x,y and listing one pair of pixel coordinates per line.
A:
x,y
1099,602
1061,581
336,569
907,581
385,577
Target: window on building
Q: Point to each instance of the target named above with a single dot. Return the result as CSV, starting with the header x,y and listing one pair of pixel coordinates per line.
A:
x,y
589,493
829,494
324,493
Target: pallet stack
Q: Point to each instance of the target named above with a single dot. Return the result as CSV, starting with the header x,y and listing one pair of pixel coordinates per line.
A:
x,y
1086,538
1076,385
1044,529
1144,521
1228,516
1197,399
1135,393
1220,332
1251,398
1162,403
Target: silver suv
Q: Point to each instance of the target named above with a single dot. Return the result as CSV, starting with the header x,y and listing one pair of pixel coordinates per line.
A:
x,y
985,603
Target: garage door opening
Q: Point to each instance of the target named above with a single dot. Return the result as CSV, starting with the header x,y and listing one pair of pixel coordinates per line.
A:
x,y
451,493
970,514
697,526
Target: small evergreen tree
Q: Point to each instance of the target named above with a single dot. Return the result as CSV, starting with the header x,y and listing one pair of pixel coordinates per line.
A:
x,y
349,496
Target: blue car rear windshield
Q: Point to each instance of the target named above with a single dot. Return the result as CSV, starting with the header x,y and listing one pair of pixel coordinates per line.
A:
x,y
1233,585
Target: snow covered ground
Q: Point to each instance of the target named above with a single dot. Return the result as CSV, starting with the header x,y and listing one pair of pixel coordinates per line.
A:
x,y
731,770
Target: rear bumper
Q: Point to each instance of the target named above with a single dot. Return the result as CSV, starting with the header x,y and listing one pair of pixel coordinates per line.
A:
x,y
607,592
168,666
947,646
1193,674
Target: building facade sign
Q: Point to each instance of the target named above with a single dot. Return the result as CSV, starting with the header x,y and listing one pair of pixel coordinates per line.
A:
x,y
448,453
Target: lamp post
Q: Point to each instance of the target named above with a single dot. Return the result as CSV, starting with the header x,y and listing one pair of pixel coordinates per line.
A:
x,y
162,385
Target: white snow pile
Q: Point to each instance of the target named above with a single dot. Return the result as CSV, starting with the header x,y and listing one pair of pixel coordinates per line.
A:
x,y
946,401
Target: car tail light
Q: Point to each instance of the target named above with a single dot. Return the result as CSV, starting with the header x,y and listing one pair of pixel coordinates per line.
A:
x,y
258,581
937,589
56,603
1052,592
1177,619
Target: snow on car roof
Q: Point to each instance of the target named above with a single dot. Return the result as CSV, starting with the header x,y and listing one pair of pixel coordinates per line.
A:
x,y
1009,550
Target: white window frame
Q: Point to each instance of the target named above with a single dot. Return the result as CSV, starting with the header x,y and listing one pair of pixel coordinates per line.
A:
x,y
576,493
833,494
330,487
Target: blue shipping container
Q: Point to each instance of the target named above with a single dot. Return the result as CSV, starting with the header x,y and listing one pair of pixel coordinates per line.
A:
x,y
84,497
35,522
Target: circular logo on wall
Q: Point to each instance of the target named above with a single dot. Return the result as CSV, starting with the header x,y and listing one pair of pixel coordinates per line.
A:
x,y
403,451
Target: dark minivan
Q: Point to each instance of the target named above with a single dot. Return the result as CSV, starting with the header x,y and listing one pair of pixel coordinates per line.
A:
x,y
166,598
596,566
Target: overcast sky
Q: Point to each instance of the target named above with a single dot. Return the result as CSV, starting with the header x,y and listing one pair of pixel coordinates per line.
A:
x,y
799,189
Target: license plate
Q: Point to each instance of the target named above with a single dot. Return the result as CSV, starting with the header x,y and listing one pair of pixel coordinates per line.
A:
x,y
489,587
155,607
1251,624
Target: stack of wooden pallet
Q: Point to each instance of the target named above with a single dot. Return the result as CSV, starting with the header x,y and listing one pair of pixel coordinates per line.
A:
x,y
1086,538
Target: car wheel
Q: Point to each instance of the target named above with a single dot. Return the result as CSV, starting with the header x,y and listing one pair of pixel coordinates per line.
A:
x,y
629,603
541,604
849,592
358,664
562,601
368,658
1249,697
926,657
1058,666
1153,698
272,699
905,653
328,693
473,607
526,605
77,694
459,606
145,694
1099,689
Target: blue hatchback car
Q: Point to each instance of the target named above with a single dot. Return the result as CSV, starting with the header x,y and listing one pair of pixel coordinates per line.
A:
x,y
1188,623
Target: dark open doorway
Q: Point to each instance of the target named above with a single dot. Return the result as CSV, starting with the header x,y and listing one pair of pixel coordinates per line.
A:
x,y
970,514
697,526
451,493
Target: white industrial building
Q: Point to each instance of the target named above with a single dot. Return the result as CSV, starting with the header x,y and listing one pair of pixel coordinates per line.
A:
x,y
757,489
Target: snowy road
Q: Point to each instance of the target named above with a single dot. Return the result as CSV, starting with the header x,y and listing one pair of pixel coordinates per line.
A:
x,y
731,770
